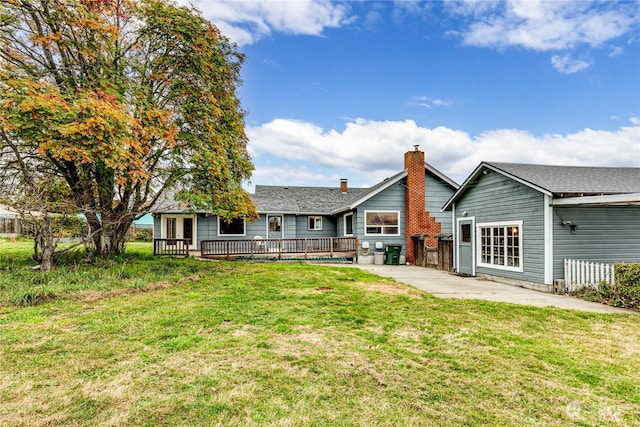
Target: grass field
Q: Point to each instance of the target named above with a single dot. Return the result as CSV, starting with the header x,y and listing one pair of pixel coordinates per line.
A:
x,y
138,340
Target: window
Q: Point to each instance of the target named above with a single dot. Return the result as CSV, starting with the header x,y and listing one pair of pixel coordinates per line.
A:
x,y
233,227
466,233
275,223
382,223
348,224
315,223
171,228
501,245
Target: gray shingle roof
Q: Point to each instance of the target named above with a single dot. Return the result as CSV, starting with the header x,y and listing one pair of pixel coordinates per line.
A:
x,y
313,200
302,200
575,179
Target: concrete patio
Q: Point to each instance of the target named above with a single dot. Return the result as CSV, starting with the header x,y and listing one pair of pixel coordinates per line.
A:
x,y
448,285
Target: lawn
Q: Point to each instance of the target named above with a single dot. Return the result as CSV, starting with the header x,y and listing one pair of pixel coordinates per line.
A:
x,y
138,340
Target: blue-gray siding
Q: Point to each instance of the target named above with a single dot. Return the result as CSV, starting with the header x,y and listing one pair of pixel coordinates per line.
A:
x,y
496,198
328,227
296,226
207,228
436,195
156,227
392,199
603,234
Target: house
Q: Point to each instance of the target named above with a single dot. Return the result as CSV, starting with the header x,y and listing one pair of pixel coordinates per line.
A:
x,y
388,213
518,222
10,222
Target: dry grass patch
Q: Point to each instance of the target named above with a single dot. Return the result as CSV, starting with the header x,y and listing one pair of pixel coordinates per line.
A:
x,y
390,288
90,296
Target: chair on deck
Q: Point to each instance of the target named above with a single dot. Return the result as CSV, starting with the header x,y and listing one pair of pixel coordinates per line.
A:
x,y
260,244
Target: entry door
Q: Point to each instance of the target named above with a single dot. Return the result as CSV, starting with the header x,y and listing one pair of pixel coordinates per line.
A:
x,y
187,228
465,247
274,227
179,227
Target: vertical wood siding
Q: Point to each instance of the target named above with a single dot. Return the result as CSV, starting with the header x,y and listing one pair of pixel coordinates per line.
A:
x,y
496,198
606,234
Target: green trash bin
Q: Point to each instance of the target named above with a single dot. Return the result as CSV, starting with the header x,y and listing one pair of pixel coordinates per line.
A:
x,y
392,253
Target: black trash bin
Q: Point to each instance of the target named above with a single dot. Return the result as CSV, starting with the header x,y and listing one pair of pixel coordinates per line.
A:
x,y
392,254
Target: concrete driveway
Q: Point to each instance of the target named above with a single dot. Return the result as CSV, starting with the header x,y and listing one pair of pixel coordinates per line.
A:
x,y
447,285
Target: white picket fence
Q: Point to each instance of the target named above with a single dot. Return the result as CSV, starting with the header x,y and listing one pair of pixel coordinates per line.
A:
x,y
584,273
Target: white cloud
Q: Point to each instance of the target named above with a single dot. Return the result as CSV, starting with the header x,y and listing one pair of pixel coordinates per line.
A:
x,y
567,65
545,25
617,50
427,102
368,151
245,22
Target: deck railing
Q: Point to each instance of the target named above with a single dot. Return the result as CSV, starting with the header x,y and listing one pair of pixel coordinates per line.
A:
x,y
584,273
171,247
278,247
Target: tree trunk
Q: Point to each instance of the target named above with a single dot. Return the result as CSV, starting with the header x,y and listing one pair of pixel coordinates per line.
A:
x,y
44,243
110,232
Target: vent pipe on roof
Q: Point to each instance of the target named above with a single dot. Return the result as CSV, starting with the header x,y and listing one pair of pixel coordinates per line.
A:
x,y
343,185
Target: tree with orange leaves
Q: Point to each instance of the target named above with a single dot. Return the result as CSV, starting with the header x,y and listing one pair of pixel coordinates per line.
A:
x,y
123,101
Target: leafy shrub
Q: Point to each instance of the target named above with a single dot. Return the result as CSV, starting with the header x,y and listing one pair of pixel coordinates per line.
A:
x,y
140,235
627,288
63,226
625,293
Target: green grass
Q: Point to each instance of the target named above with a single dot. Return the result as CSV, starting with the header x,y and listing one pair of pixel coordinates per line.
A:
x,y
138,340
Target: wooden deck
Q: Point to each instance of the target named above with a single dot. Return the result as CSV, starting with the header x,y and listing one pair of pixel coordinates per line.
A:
x,y
311,248
171,247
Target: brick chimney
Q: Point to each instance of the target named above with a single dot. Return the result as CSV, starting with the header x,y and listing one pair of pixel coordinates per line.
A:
x,y
417,219
343,185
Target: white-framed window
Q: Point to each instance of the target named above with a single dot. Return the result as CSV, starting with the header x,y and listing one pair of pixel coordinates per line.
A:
x,y
233,227
171,227
315,223
382,223
348,224
500,245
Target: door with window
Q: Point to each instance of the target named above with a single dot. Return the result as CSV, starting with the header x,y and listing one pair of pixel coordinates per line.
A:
x,y
465,247
179,227
274,227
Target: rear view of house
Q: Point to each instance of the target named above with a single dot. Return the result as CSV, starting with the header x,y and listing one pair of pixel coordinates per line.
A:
x,y
388,213
519,222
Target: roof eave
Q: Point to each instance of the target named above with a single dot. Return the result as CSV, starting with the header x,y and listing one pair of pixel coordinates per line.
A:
x,y
609,199
380,189
442,176
478,170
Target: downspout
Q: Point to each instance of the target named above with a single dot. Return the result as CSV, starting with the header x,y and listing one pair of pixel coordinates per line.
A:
x,y
548,240
454,233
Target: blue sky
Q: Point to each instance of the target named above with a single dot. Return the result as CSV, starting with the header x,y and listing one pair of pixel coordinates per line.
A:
x,y
342,89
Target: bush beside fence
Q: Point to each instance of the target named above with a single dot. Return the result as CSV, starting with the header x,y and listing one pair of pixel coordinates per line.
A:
x,y
625,293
